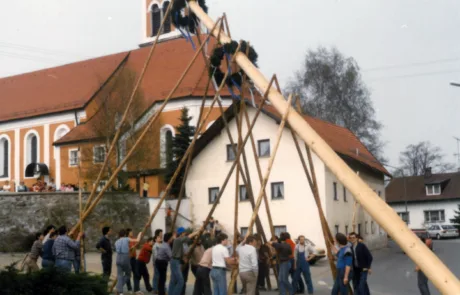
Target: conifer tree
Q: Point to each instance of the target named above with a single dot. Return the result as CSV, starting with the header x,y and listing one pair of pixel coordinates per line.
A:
x,y
180,144
456,219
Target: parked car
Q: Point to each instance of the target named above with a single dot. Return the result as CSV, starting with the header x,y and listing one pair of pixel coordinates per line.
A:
x,y
440,231
423,233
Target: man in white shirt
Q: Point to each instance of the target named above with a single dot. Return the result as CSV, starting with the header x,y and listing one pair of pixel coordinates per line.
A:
x,y
303,253
220,259
248,264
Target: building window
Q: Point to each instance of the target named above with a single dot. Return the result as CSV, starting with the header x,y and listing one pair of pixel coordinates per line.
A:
x,y
244,231
380,193
344,194
4,157
101,185
372,227
231,156
336,198
167,24
73,158
213,193
404,216
359,228
156,19
264,148
434,216
279,229
346,230
99,154
243,193
277,190
336,229
433,189
366,230
166,146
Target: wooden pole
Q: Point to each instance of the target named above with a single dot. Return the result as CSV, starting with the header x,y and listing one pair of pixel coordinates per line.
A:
x,y
246,178
328,239
128,106
142,135
80,203
269,168
383,214
353,218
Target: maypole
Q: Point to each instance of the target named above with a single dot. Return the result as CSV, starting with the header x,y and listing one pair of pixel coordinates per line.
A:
x,y
383,214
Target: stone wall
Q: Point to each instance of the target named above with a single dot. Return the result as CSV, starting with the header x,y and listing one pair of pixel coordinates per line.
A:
x,y
24,214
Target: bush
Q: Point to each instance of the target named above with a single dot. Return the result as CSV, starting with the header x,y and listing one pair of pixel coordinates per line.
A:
x,y
50,282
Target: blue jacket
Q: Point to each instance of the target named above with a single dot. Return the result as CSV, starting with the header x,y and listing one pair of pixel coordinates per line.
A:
x,y
344,258
363,255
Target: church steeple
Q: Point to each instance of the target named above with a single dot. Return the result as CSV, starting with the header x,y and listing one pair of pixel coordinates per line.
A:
x,y
153,12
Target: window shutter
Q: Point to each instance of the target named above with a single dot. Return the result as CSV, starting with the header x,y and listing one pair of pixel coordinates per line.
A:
x,y
167,25
156,19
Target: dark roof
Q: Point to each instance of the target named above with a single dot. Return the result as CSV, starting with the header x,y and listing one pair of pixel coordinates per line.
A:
x,y
415,190
340,139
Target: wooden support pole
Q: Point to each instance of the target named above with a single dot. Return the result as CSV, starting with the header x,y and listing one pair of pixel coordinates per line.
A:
x,y
328,239
384,215
80,205
128,106
269,168
142,135
246,178
353,218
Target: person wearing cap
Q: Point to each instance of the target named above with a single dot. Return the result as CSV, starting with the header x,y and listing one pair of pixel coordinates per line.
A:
x,y
176,282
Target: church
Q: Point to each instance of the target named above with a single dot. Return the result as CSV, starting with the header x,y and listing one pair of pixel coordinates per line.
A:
x,y
53,113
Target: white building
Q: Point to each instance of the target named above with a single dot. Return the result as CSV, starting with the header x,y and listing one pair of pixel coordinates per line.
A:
x,y
426,199
292,204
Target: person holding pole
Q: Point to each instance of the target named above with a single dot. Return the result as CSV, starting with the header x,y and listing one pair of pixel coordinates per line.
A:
x,y
64,249
220,259
284,253
344,265
163,256
248,264
123,259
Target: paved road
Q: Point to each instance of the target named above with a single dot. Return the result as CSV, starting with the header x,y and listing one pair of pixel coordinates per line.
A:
x,y
393,271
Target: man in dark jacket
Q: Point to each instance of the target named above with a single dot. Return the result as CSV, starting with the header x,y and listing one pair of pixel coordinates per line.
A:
x,y
362,261
105,247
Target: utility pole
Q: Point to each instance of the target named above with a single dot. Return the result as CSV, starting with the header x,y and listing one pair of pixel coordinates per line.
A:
x,y
458,152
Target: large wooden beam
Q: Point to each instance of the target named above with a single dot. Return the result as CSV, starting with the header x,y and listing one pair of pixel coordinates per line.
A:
x,y
383,214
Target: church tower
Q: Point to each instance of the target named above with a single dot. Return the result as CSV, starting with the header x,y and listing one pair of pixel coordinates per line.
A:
x,y
153,12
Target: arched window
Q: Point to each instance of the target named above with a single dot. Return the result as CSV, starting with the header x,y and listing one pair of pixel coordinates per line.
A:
x,y
167,25
31,148
156,19
166,145
4,157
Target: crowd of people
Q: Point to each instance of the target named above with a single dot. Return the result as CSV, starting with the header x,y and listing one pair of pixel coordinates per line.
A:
x,y
39,186
209,261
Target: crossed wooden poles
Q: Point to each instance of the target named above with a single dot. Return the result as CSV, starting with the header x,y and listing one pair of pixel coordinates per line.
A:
x,y
437,272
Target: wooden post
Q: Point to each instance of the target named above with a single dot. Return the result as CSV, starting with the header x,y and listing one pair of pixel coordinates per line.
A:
x,y
142,135
269,168
353,218
383,214
128,106
80,203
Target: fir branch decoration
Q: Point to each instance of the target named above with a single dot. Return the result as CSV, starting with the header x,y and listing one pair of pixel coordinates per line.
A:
x,y
230,49
189,21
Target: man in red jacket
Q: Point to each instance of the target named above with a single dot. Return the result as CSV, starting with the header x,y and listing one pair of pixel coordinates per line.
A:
x,y
141,265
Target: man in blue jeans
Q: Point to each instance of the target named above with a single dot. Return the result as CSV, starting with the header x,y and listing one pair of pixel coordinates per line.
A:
x,y
284,251
158,239
303,253
362,261
176,282
64,249
220,259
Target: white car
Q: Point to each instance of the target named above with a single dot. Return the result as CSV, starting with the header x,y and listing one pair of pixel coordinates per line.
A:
x,y
440,231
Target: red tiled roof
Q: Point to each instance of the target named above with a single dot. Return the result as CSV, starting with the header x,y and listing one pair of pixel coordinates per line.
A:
x,y
340,139
168,62
56,89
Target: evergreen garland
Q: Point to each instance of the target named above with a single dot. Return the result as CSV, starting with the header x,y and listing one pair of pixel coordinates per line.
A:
x,y
188,21
229,49
180,144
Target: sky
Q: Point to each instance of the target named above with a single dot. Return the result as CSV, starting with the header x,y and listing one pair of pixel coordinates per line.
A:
x,y
408,50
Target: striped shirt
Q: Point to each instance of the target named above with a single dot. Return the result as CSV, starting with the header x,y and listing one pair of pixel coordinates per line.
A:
x,y
36,250
64,248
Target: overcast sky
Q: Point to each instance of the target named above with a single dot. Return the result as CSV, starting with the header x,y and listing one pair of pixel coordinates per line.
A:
x,y
408,50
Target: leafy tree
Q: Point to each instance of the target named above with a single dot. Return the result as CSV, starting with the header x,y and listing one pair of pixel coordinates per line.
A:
x,y
416,158
456,219
180,144
331,88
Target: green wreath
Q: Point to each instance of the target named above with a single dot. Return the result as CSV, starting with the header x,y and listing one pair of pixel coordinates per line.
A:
x,y
227,50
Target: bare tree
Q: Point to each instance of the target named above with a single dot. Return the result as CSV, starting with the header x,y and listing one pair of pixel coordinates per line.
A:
x,y
416,158
331,88
111,103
